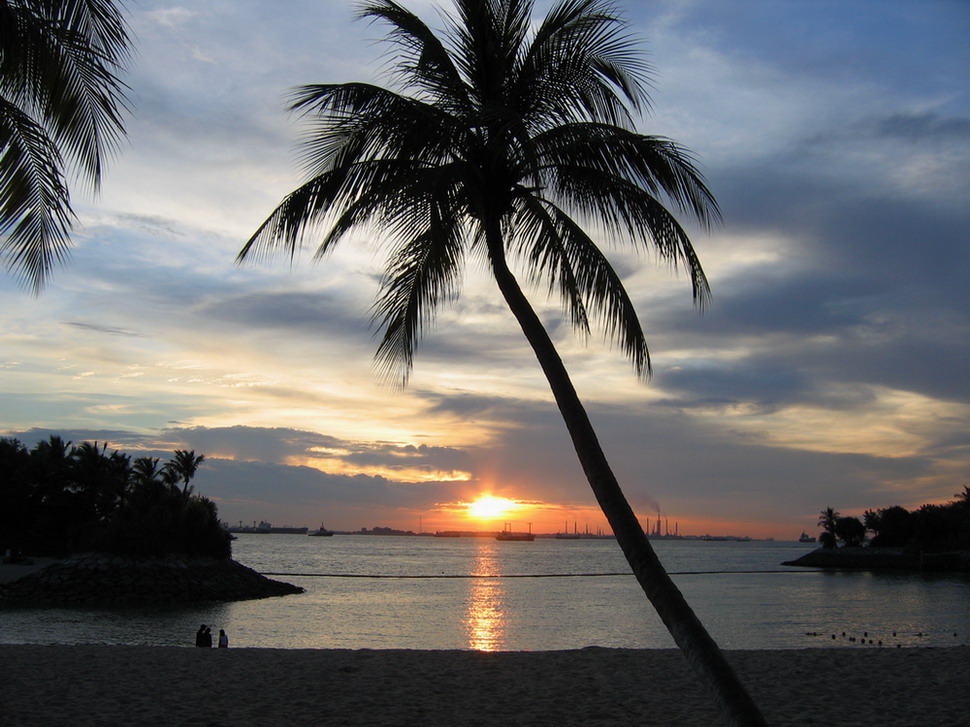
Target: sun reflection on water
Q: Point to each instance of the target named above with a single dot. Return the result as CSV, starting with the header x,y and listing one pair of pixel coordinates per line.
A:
x,y
484,619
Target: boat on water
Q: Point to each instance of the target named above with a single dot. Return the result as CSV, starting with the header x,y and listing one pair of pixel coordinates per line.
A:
x,y
805,538
265,528
321,533
508,534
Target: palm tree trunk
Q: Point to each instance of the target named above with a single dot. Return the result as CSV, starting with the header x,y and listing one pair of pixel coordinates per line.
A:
x,y
701,651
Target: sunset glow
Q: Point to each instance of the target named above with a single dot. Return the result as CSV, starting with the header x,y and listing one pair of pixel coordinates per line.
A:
x,y
816,378
488,507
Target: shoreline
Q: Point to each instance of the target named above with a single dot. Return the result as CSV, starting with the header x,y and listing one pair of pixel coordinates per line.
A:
x,y
97,578
878,558
142,685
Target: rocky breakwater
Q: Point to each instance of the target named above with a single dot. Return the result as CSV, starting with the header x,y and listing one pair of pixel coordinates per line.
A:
x,y
875,558
102,578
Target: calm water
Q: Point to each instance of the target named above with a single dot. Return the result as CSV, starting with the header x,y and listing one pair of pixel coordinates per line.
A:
x,y
548,594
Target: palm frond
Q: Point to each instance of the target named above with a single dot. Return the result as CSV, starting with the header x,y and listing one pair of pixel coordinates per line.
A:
x,y
353,122
619,178
627,212
423,273
66,67
35,207
660,166
60,67
423,63
487,39
497,125
561,252
582,65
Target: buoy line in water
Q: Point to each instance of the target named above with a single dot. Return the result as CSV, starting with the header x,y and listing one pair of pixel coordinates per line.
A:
x,y
530,575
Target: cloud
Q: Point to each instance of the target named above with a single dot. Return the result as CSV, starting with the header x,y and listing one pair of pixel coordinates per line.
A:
x,y
94,327
923,126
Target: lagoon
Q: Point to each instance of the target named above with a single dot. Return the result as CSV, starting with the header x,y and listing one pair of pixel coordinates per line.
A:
x,y
383,592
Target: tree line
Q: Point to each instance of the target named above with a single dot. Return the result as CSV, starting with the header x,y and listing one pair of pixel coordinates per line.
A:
x,y
929,528
60,498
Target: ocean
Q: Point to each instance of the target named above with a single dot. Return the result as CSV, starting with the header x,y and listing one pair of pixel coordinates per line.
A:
x,y
386,592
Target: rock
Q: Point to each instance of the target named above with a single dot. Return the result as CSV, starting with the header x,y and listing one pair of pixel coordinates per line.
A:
x,y
869,558
120,580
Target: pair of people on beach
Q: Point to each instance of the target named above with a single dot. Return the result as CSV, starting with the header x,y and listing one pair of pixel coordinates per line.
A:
x,y
203,637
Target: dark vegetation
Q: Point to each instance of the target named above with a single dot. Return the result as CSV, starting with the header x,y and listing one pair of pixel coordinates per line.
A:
x,y
58,498
62,108
928,529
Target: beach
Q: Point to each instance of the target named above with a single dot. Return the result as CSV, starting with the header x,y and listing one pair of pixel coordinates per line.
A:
x,y
144,685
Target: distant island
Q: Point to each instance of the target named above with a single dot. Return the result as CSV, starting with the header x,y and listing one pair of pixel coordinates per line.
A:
x,y
118,531
930,538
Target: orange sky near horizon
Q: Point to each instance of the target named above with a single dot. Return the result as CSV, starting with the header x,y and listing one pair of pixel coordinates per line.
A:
x,y
490,512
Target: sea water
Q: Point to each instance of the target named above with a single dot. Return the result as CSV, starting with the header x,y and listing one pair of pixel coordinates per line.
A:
x,y
385,592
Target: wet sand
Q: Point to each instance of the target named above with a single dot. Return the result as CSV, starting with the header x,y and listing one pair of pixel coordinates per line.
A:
x,y
139,685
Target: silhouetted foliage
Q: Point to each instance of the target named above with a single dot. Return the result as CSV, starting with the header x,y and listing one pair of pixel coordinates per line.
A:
x,y
850,531
892,526
827,519
62,103
930,528
827,540
58,498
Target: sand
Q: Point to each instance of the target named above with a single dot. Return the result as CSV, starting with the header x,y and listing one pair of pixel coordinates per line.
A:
x,y
139,685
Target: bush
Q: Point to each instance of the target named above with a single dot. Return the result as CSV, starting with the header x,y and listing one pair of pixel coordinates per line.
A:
x,y
893,527
850,531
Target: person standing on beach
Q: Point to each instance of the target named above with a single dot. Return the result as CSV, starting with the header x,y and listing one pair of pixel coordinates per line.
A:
x,y
207,637
200,636
223,640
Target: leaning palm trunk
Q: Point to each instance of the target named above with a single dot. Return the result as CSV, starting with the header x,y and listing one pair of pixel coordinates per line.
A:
x,y
503,131
701,651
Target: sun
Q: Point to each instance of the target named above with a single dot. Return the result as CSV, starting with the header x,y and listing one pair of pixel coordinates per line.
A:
x,y
488,507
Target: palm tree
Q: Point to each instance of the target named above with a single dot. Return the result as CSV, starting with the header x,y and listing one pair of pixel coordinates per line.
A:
x,y
500,141
828,519
183,468
146,473
60,96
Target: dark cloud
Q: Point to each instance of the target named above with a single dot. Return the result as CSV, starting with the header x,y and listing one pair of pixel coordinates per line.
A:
x,y
924,126
97,328
308,313
258,444
117,438
407,457
247,491
277,445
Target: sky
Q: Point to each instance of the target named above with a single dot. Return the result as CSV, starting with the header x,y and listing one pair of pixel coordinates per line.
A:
x,y
831,368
